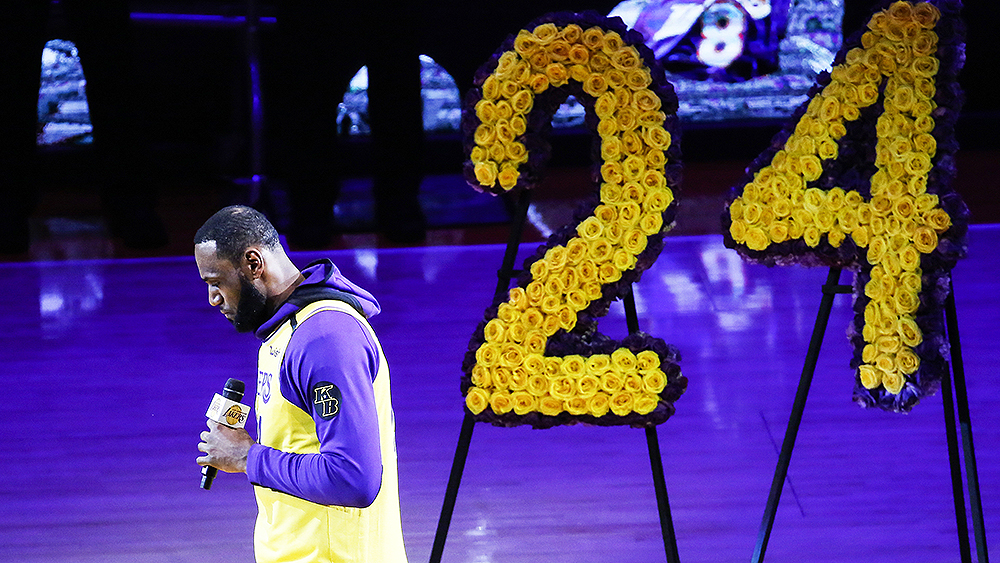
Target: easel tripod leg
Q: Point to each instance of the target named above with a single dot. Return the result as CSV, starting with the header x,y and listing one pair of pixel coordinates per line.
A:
x,y
798,407
965,423
451,494
662,502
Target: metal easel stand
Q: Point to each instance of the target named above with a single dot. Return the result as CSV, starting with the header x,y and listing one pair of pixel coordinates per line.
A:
x,y
831,288
504,275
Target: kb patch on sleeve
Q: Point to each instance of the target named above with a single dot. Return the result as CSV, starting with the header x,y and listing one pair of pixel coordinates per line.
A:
x,y
326,397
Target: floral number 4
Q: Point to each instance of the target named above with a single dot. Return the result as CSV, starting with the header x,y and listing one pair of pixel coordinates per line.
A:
x,y
823,193
537,358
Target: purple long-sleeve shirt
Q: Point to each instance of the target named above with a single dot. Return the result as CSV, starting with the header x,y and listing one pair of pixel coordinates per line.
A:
x,y
330,347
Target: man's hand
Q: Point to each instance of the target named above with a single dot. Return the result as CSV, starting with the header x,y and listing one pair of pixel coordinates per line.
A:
x,y
225,448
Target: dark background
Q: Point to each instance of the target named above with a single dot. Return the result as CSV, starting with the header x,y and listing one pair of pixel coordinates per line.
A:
x,y
192,88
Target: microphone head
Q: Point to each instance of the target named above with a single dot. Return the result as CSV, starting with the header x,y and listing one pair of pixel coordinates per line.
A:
x,y
234,389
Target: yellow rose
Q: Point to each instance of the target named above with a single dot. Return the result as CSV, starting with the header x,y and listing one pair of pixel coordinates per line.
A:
x,y
476,400
518,378
909,258
501,402
579,55
626,58
557,74
593,38
599,404
905,301
516,152
611,382
867,94
645,403
612,42
553,367
538,385
495,331
552,302
925,239
481,376
600,250
810,235
588,386
595,85
616,81
611,148
524,402
652,119
634,242
738,230
646,101
623,360
911,281
525,44
632,143
611,192
550,406
511,355
534,363
522,101
571,33
562,387
918,163
578,72
623,260
893,382
576,406
546,33
909,333
925,143
629,213
777,231
599,62
622,403
608,273
598,364
869,353
587,271
906,361
651,223
590,229
638,79
657,137
507,178
488,355
558,50
827,149
757,239
925,66
926,15
938,219
924,43
608,128
653,380
870,378
647,360
538,83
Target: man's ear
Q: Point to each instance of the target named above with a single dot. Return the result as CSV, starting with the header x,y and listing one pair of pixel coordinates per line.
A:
x,y
253,262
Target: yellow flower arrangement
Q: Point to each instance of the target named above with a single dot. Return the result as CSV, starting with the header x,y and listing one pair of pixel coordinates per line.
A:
x,y
635,193
900,223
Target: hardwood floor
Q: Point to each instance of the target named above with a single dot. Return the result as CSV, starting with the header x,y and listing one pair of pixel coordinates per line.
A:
x,y
109,365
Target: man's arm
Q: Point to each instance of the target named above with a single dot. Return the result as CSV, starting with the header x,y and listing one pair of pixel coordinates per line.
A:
x,y
327,371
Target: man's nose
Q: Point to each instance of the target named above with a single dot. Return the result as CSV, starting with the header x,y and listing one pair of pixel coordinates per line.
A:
x,y
214,297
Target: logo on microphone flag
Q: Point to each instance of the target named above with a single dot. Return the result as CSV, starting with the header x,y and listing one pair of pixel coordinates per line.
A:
x,y
228,412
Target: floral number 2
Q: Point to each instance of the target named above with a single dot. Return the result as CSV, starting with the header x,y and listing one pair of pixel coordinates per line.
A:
x,y
537,358
824,194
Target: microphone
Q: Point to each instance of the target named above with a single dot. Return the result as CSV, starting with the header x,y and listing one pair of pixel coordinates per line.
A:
x,y
225,409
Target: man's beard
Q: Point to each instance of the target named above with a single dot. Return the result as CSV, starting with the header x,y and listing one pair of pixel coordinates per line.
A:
x,y
252,309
